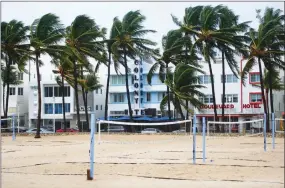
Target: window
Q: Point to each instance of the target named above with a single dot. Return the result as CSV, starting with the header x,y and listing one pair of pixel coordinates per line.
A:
x,y
48,91
101,91
254,78
20,91
160,96
230,98
255,97
101,107
230,78
205,79
12,91
206,99
57,92
67,91
48,108
118,97
96,107
118,80
148,96
58,108
20,76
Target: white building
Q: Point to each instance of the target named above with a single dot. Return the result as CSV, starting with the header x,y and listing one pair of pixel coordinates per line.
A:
x,y
242,102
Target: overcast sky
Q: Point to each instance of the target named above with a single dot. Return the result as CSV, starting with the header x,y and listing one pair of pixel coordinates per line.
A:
x,y
158,14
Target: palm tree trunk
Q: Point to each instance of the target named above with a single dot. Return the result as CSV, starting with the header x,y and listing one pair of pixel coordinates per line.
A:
x,y
224,89
76,94
107,87
8,87
84,101
4,109
267,100
270,89
39,98
63,104
262,92
127,86
214,95
85,107
168,94
187,112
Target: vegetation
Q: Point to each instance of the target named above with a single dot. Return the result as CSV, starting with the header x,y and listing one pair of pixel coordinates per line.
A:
x,y
204,31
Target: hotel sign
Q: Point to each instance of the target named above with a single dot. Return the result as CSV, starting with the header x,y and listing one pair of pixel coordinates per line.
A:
x,y
230,106
138,85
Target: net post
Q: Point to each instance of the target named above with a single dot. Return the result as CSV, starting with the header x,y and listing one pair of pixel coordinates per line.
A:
x,y
273,130
99,131
194,139
264,131
92,136
13,127
204,140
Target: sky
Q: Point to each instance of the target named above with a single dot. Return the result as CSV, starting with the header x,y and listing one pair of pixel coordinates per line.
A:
x,y
158,14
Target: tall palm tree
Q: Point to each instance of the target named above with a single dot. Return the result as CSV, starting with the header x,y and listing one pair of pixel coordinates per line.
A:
x,y
64,70
230,22
90,83
276,83
45,34
9,77
172,45
183,86
110,41
13,48
200,23
266,47
274,18
130,42
82,41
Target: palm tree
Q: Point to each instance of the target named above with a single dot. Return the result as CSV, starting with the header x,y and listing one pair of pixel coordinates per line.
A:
x,y
229,21
90,83
276,83
172,45
200,23
45,34
129,42
9,77
64,70
110,41
13,49
266,46
82,41
183,86
274,18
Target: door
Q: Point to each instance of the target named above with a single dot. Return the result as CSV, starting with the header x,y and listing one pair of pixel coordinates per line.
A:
x,y
57,125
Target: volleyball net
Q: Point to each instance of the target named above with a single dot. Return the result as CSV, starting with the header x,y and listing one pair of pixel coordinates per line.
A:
x,y
183,127
253,127
279,125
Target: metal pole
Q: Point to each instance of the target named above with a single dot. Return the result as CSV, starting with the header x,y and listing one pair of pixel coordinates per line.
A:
x,y
194,139
18,118
264,131
92,140
204,140
273,130
53,114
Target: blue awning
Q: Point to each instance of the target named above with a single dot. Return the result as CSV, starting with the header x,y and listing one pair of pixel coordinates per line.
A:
x,y
144,118
123,118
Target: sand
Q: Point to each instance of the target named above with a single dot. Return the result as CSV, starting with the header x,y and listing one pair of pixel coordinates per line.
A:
x,y
140,161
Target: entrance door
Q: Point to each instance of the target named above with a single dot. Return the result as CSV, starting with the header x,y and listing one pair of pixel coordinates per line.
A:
x,y
57,125
84,126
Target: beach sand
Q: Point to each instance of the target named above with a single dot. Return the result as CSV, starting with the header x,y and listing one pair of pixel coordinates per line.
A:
x,y
140,161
